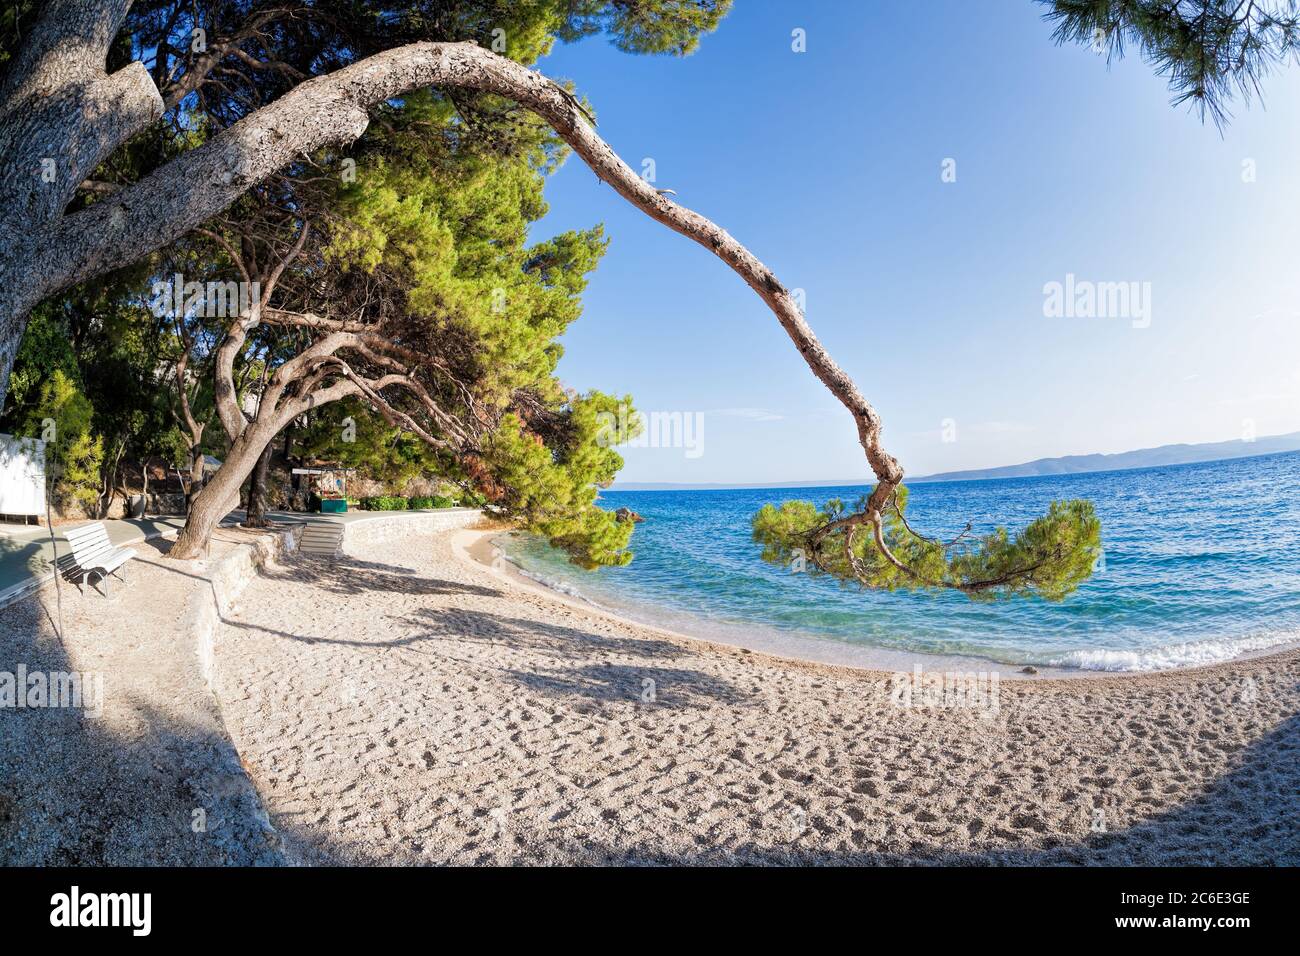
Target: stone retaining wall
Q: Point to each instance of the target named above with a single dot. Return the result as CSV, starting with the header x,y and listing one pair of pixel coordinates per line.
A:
x,y
226,579
386,525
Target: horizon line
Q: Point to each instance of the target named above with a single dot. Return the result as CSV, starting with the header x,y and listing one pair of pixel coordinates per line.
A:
x,y
943,477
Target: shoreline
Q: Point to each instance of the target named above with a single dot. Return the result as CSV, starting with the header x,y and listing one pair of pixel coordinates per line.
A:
x,y
475,546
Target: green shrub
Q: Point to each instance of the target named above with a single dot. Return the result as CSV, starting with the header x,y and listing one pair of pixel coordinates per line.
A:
x,y
75,455
433,501
384,503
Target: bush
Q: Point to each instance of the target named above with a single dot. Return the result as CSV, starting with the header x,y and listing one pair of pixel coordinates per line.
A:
x,y
384,503
433,501
75,455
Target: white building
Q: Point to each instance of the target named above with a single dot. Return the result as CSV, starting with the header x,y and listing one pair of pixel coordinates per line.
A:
x,y
22,476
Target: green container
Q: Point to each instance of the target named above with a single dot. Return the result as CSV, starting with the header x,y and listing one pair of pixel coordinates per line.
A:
x,y
333,506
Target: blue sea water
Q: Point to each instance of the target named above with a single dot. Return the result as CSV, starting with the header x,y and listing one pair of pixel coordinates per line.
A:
x,y
1202,564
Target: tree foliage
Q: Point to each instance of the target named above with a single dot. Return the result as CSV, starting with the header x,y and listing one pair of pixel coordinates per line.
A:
x,y
354,435
1210,50
427,252
1050,557
442,229
89,363
74,457
646,26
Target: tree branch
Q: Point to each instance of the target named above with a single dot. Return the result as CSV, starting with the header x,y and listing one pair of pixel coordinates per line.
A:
x,y
332,108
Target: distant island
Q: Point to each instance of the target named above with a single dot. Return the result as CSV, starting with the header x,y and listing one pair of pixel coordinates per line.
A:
x,y
1180,454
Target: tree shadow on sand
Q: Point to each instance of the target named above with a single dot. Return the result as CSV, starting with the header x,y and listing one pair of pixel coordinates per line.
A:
x,y
556,640
350,576
77,789
620,683
74,790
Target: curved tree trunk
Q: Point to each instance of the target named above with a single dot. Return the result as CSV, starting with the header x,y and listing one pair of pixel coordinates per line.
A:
x,y
48,113
221,494
61,115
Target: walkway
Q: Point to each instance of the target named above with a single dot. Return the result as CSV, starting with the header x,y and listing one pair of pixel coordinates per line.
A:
x,y
26,554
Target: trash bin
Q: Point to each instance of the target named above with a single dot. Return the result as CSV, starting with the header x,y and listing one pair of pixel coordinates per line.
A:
x,y
137,506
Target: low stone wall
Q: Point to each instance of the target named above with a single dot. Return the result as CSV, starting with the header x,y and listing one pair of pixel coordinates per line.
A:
x,y
161,503
224,580
380,526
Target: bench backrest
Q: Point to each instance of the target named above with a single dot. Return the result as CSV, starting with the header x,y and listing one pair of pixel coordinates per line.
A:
x,y
89,544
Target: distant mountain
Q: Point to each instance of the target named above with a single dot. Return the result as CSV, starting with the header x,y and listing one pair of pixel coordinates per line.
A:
x,y
1142,458
1182,454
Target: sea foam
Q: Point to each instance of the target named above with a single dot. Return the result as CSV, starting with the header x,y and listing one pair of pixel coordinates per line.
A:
x,y
1168,657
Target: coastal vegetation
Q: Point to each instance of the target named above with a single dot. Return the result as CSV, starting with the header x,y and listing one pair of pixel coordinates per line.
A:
x,y
1210,50
370,175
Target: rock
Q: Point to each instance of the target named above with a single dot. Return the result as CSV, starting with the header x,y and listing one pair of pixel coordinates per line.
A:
x,y
627,514
1029,670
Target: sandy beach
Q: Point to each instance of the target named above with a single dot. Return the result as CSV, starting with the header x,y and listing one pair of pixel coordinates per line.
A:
x,y
407,704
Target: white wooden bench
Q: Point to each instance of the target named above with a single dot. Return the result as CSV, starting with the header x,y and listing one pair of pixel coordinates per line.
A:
x,y
94,554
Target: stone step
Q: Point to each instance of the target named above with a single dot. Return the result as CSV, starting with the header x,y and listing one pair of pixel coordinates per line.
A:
x,y
321,539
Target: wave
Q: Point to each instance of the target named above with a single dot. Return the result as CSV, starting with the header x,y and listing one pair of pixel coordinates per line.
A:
x,y
553,584
1171,656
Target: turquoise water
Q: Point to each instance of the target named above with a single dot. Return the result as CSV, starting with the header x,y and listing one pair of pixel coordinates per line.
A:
x,y
1202,563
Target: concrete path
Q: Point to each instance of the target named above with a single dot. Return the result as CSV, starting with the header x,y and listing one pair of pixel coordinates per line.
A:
x,y
26,553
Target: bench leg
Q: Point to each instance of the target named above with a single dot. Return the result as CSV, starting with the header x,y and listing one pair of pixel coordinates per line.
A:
x,y
108,588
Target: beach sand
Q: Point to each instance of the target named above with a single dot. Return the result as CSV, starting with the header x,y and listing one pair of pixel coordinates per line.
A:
x,y
409,705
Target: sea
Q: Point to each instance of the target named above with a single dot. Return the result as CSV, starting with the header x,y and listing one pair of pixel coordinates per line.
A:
x,y
1200,564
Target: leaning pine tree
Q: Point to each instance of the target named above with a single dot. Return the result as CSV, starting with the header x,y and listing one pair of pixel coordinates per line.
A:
x,y
92,113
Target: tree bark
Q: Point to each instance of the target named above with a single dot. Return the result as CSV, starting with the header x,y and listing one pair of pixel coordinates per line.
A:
x,y
219,496
258,488
61,115
196,475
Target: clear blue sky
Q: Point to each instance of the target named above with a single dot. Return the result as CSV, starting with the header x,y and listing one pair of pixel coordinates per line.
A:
x,y
827,165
